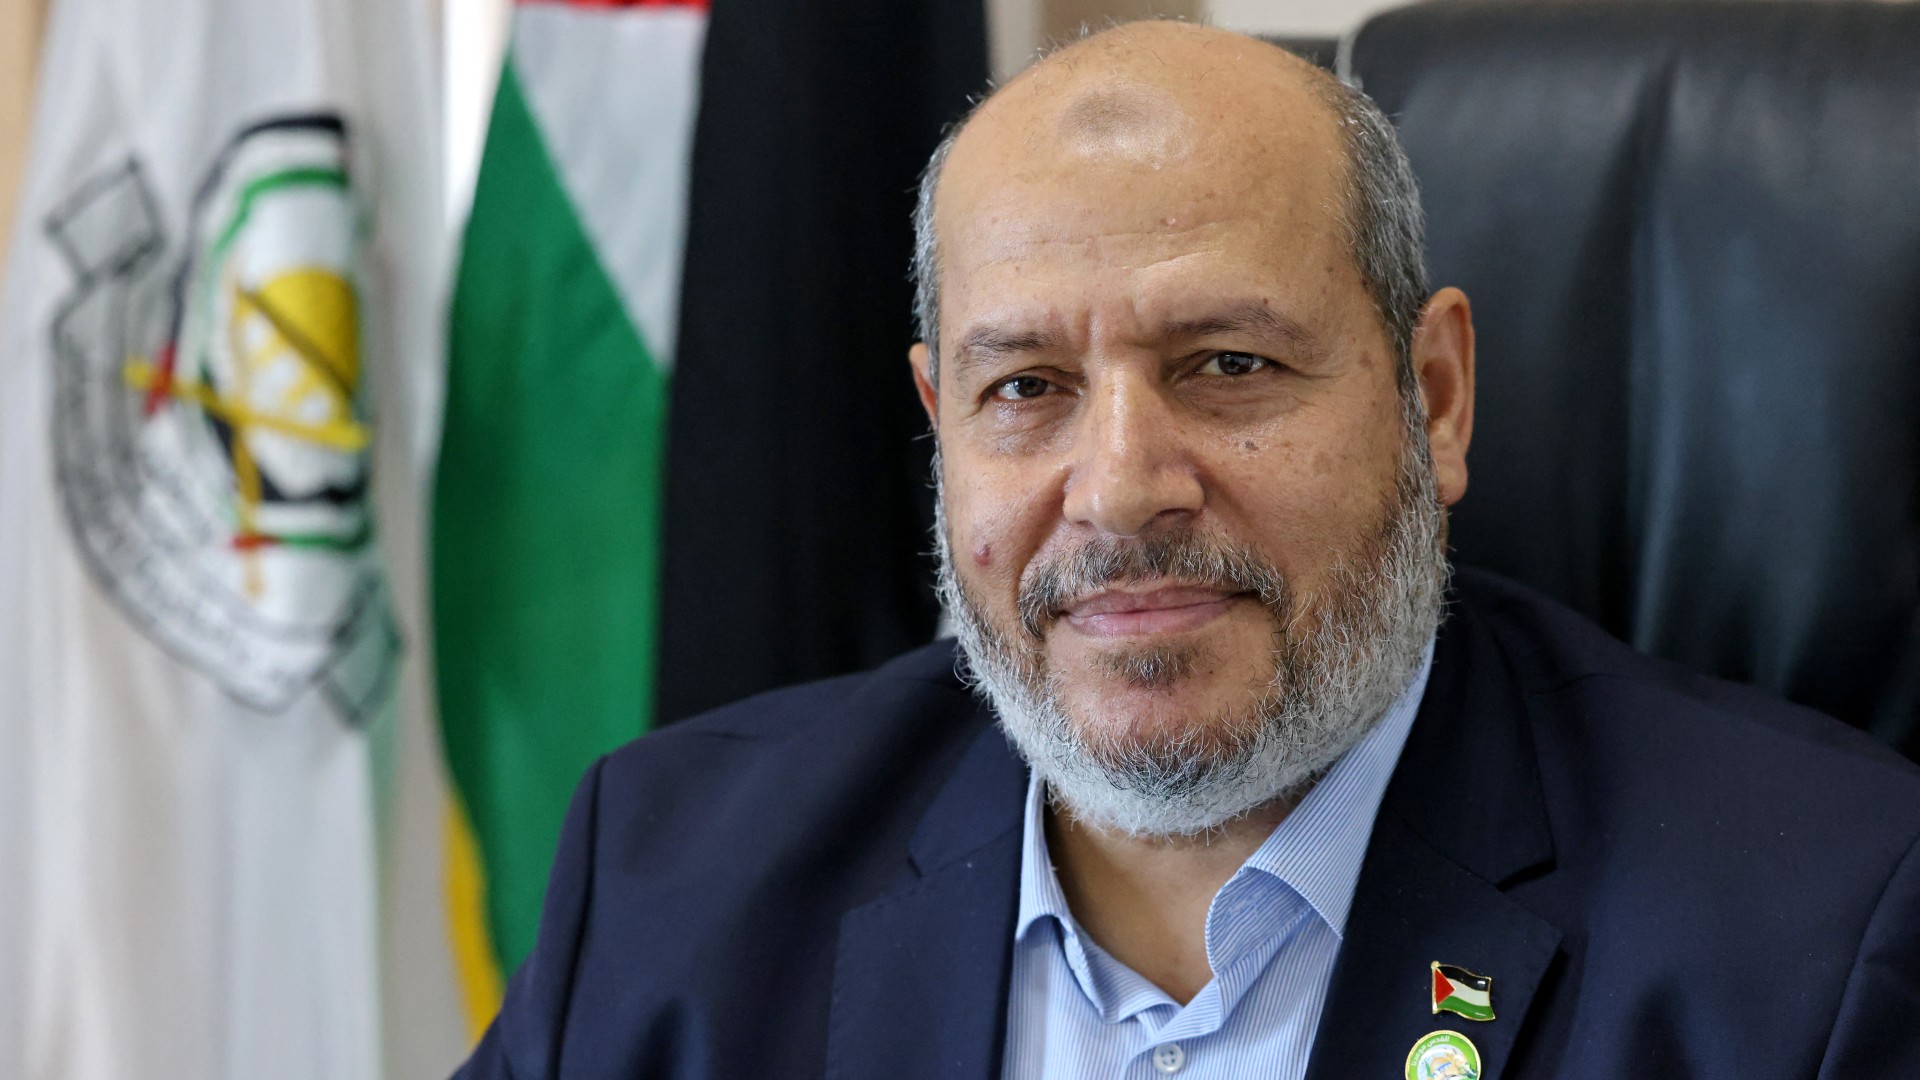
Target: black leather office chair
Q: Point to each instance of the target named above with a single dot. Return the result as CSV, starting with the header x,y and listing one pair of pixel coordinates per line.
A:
x,y
1691,232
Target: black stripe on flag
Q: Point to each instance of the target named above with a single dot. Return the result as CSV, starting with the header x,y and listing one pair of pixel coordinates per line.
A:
x,y
1463,977
796,518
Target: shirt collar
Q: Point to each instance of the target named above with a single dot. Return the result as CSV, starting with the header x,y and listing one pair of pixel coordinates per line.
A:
x,y
1040,893
1317,848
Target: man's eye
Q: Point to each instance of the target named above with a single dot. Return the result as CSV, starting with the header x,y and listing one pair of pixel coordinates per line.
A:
x,y
1020,388
1232,363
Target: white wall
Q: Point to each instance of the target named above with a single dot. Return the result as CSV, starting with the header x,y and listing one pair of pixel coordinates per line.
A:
x,y
1017,28
21,24
1295,18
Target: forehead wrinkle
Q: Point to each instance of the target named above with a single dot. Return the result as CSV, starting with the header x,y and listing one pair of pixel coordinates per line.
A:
x,y
1030,243
1164,274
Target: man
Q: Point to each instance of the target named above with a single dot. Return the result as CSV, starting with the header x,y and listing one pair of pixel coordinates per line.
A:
x,y
1233,799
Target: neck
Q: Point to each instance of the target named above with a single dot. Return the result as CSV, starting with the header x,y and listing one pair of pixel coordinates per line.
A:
x,y
1145,899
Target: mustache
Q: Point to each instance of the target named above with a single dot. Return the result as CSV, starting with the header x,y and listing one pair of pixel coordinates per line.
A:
x,y
1178,557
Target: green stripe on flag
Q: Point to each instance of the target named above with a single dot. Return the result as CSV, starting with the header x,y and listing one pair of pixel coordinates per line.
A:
x,y
1460,1006
546,518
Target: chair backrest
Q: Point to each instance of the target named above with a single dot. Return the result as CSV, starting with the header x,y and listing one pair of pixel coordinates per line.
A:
x,y
1691,233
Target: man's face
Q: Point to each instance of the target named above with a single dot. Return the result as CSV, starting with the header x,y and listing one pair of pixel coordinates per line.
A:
x,y
1172,441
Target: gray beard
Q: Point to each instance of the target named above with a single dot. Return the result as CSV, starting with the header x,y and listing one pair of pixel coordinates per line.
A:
x,y
1339,662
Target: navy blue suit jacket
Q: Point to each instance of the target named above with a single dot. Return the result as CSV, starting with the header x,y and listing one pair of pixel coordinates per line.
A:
x,y
1665,875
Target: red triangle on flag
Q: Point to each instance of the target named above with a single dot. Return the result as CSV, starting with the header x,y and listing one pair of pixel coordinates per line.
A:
x,y
1442,989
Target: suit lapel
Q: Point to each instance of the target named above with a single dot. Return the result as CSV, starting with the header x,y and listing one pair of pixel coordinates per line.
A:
x,y
1463,816
920,979
1416,906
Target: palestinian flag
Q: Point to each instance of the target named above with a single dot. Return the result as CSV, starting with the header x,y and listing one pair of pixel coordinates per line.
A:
x,y
546,530
1461,992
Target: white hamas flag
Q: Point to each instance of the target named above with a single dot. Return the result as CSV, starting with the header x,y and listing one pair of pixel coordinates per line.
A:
x,y
219,346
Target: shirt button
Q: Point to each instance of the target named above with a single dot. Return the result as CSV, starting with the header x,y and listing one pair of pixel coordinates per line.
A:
x,y
1168,1057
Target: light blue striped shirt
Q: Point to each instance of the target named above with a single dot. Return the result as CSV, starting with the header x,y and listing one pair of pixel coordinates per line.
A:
x,y
1273,931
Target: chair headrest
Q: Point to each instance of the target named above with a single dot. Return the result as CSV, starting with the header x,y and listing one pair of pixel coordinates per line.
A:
x,y
1691,233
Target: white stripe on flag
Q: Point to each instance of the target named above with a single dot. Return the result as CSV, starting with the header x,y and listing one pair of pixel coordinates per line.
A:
x,y
594,78
1469,995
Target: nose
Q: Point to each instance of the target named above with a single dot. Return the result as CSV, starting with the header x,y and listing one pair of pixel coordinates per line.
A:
x,y
1131,464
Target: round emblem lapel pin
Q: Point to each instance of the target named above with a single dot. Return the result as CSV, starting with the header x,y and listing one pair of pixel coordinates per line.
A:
x,y
1443,1055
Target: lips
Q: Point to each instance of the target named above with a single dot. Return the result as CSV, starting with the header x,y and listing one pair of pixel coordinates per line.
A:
x,y
1173,609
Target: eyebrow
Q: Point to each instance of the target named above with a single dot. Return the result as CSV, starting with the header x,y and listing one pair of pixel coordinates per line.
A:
x,y
985,344
1252,317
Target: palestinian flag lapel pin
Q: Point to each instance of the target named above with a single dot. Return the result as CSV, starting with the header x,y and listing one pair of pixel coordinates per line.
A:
x,y
1461,992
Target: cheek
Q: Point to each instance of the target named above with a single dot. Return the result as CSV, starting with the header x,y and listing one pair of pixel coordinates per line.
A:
x,y
997,517
1309,487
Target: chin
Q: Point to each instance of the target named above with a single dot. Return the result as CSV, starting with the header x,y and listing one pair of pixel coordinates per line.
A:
x,y
1118,714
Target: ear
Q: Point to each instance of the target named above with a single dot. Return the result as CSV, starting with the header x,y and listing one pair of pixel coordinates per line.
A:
x,y
1443,364
921,359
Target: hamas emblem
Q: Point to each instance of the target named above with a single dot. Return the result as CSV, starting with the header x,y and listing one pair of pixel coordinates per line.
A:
x,y
1443,1055
210,435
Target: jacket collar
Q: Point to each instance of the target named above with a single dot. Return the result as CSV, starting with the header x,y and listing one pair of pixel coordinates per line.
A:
x,y
978,804
1463,816
920,979
1468,781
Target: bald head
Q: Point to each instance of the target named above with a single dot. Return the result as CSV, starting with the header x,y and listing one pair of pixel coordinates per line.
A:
x,y
1151,91
1221,118
1127,122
